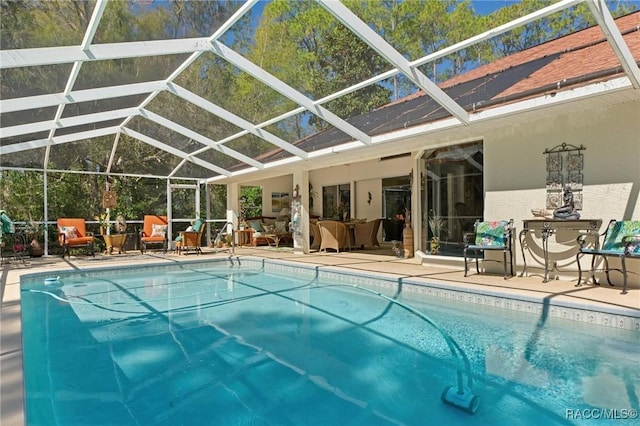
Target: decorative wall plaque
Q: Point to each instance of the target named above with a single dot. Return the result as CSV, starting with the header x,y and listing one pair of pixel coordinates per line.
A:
x,y
554,181
109,199
575,181
564,167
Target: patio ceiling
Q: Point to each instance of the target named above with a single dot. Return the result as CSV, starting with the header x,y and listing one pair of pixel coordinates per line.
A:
x,y
195,155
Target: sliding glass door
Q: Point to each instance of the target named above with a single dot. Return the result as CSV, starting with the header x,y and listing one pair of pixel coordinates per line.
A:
x,y
453,196
396,197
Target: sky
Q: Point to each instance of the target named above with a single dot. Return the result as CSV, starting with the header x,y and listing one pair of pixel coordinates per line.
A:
x,y
484,7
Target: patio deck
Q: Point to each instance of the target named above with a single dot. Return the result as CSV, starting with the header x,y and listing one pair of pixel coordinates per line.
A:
x,y
379,261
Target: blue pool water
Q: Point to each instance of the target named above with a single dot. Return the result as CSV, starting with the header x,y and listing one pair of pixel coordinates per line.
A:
x,y
221,344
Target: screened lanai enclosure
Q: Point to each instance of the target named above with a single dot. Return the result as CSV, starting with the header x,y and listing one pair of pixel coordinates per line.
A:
x,y
162,104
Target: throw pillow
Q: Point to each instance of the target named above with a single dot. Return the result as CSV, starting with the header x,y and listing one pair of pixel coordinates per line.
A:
x,y
269,229
158,230
197,225
256,225
281,226
69,232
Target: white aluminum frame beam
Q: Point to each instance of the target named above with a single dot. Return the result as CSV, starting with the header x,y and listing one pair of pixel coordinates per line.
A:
x,y
78,96
72,121
56,140
616,41
100,52
98,10
380,45
171,150
288,91
534,16
234,119
199,138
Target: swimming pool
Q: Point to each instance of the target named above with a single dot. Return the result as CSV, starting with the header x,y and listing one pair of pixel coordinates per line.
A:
x,y
252,344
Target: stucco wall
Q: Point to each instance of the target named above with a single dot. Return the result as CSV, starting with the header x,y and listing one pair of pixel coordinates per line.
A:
x,y
368,176
365,176
515,172
277,184
515,178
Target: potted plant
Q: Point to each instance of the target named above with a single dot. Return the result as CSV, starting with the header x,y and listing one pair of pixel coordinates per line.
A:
x,y
437,224
312,194
104,222
34,232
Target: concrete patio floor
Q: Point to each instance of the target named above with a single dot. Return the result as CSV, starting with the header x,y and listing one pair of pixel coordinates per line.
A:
x,y
378,261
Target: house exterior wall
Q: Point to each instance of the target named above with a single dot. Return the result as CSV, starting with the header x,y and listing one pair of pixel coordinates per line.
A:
x,y
363,208
515,175
277,184
515,179
367,175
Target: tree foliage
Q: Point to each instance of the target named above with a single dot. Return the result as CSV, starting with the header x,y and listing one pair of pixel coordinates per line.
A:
x,y
298,42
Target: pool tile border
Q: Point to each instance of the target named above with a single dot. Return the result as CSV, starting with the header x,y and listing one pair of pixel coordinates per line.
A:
x,y
562,307
592,313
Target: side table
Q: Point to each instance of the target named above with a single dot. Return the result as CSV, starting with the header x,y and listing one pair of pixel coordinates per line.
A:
x,y
546,228
245,237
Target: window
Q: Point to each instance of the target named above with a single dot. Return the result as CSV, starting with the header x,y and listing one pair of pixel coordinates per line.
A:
x,y
336,201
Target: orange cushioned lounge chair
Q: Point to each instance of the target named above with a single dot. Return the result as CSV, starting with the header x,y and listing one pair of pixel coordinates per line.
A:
x,y
72,233
154,232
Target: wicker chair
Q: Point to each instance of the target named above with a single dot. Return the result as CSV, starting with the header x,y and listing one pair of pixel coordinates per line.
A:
x,y
315,233
191,239
333,235
366,234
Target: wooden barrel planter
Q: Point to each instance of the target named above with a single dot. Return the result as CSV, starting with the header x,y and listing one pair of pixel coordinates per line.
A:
x,y
407,241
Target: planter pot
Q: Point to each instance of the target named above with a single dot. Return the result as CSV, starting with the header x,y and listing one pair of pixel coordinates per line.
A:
x,y
407,241
35,249
115,242
435,246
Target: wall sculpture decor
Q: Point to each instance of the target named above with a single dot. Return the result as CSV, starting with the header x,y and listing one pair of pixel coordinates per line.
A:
x,y
564,168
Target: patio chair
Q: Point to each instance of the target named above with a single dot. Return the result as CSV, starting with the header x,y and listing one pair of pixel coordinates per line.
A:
x,y
333,235
154,232
72,233
621,239
191,238
490,236
315,233
366,234
12,244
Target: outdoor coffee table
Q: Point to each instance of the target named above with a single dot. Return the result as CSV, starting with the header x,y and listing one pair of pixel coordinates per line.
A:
x,y
273,239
